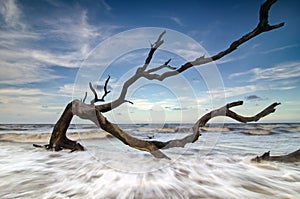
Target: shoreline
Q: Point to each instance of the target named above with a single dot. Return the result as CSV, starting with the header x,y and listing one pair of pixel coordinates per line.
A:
x,y
44,137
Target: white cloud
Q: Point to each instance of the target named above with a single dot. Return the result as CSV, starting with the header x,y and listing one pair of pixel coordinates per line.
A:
x,y
20,66
70,60
24,56
233,91
13,93
11,13
20,92
30,105
280,48
9,37
74,90
24,73
279,72
177,21
70,29
77,32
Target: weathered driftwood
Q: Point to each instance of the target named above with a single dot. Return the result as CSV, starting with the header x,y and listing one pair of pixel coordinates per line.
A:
x,y
262,26
94,113
291,157
223,111
59,140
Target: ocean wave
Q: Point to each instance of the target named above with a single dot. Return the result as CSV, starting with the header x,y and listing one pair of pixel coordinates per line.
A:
x,y
275,128
258,132
156,130
44,137
215,129
41,132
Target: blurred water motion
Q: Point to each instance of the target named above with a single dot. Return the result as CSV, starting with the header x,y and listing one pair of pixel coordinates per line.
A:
x,y
110,169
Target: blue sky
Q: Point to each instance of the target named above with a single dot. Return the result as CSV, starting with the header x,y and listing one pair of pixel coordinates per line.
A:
x,y
51,49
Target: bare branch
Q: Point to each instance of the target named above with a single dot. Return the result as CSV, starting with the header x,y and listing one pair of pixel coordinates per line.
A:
x,y
96,99
85,95
130,102
105,89
167,62
223,111
165,65
140,72
264,16
262,26
154,47
159,40
127,139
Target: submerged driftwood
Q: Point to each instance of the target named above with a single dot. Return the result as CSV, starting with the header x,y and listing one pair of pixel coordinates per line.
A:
x,y
291,157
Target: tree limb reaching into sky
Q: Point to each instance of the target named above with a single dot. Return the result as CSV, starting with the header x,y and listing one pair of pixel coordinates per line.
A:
x,y
94,113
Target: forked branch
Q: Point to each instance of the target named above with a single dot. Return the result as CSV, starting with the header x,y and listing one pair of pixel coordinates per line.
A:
x,y
140,72
263,26
96,99
223,111
165,65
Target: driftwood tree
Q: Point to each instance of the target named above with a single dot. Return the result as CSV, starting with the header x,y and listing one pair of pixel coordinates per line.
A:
x,y
94,113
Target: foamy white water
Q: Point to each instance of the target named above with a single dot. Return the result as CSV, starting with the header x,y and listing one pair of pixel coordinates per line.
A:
x,y
110,169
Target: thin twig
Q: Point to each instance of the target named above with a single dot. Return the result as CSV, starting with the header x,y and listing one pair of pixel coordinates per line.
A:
x,y
105,89
96,99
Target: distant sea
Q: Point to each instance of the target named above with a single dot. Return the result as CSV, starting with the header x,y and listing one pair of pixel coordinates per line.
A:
x,y
216,166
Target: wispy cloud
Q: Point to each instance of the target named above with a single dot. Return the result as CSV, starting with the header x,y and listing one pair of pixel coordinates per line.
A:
x,y
174,19
24,56
233,91
75,90
279,72
20,92
77,37
23,73
280,48
70,60
106,5
11,13
24,97
278,78
38,104
230,59
177,21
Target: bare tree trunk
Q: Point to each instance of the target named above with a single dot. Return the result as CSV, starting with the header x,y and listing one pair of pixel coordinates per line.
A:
x,y
59,140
